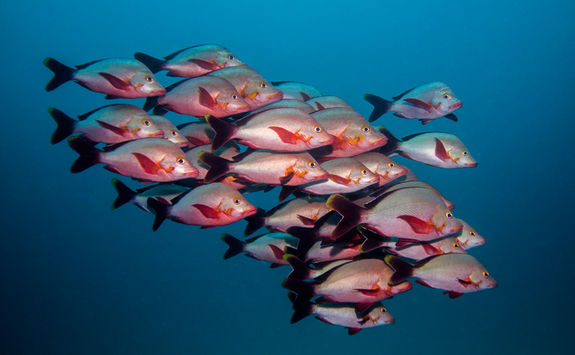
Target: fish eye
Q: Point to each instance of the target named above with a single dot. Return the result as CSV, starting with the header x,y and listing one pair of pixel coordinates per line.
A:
x,y
485,274
317,129
465,152
234,96
146,122
448,214
148,78
455,245
231,57
472,233
365,129
263,84
312,164
237,201
180,160
391,164
446,96
364,172
174,133
382,309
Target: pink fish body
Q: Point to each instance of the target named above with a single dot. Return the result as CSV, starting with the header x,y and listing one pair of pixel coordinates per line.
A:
x,y
344,175
267,247
419,251
286,103
226,152
319,253
381,165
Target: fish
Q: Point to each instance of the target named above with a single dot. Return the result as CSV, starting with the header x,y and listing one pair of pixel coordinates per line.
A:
x,y
151,159
442,150
267,247
163,192
201,96
115,77
253,88
226,152
192,61
277,129
297,212
171,132
425,103
209,205
295,90
291,169
320,253
469,238
343,315
455,273
412,213
419,251
352,134
323,102
197,133
108,124
381,165
363,282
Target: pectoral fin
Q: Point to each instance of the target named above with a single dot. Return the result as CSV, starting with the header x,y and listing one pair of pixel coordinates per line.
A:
x,y
452,117
206,99
147,164
119,131
417,225
285,135
115,81
338,179
440,150
418,103
203,64
207,211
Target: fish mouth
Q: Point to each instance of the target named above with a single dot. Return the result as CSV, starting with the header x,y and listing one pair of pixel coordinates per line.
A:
x,y
456,106
251,211
472,165
322,176
277,94
158,92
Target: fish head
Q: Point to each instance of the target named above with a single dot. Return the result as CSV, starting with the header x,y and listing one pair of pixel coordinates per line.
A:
x,y
315,135
445,101
258,93
469,238
174,136
181,166
146,83
235,205
145,126
361,175
230,100
378,315
481,278
309,169
450,245
389,170
444,222
226,59
370,138
461,157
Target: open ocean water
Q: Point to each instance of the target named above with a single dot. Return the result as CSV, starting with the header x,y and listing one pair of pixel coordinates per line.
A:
x,y
79,278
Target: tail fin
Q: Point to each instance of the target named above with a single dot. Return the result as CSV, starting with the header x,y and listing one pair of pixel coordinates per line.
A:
x,y
380,106
392,142
218,166
350,212
300,269
62,73
161,211
255,221
236,245
154,64
402,270
301,309
151,102
224,131
65,125
125,194
89,155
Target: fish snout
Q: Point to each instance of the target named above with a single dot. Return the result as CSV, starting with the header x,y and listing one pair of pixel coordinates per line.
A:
x,y
472,165
275,96
456,106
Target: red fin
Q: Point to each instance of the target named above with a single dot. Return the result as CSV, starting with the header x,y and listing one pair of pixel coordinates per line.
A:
x,y
285,135
452,117
416,224
203,64
424,122
368,291
305,96
206,99
430,249
207,211
422,283
440,151
352,331
147,164
278,253
319,106
115,81
403,243
338,179
465,283
419,103
119,131
452,294
306,221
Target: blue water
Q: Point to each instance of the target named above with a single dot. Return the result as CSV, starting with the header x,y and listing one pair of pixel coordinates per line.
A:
x,y
79,278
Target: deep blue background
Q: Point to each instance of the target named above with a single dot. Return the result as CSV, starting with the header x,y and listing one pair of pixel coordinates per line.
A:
x,y
78,278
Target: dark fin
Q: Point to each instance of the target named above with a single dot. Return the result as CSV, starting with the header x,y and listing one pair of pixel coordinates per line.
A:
x,y
452,117
453,294
403,243
241,156
350,212
380,106
305,220
301,309
319,106
224,131
125,194
430,249
281,82
154,64
286,191
304,96
218,166
61,72
402,270
150,103
236,245
204,64
119,131
392,144
338,179
398,114
88,114
160,110
418,103
147,164
424,121
370,244
306,239
89,155
319,152
160,210
300,269
115,81
112,97
402,94
440,150
85,65
278,253
274,265
206,99
255,221
206,211
353,331
285,135
362,309
422,283
173,55
416,224
285,179
65,125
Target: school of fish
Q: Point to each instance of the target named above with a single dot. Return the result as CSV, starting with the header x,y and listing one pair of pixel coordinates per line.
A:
x,y
356,227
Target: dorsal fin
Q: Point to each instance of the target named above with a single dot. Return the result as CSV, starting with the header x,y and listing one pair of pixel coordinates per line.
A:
x,y
395,98
87,114
85,65
173,55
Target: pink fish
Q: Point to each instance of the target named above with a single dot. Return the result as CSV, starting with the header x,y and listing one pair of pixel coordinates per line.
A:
x,y
197,133
419,251
208,206
192,61
163,192
295,90
426,103
381,165
152,159
266,247
278,130
117,77
109,124
201,96
323,102
469,238
171,132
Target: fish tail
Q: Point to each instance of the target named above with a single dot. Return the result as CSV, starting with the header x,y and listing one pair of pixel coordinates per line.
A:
x,y
161,211
236,245
392,144
350,212
65,124
61,72
218,166
295,281
380,106
300,269
255,221
154,64
306,239
224,131
302,309
402,270
89,154
151,103
125,194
